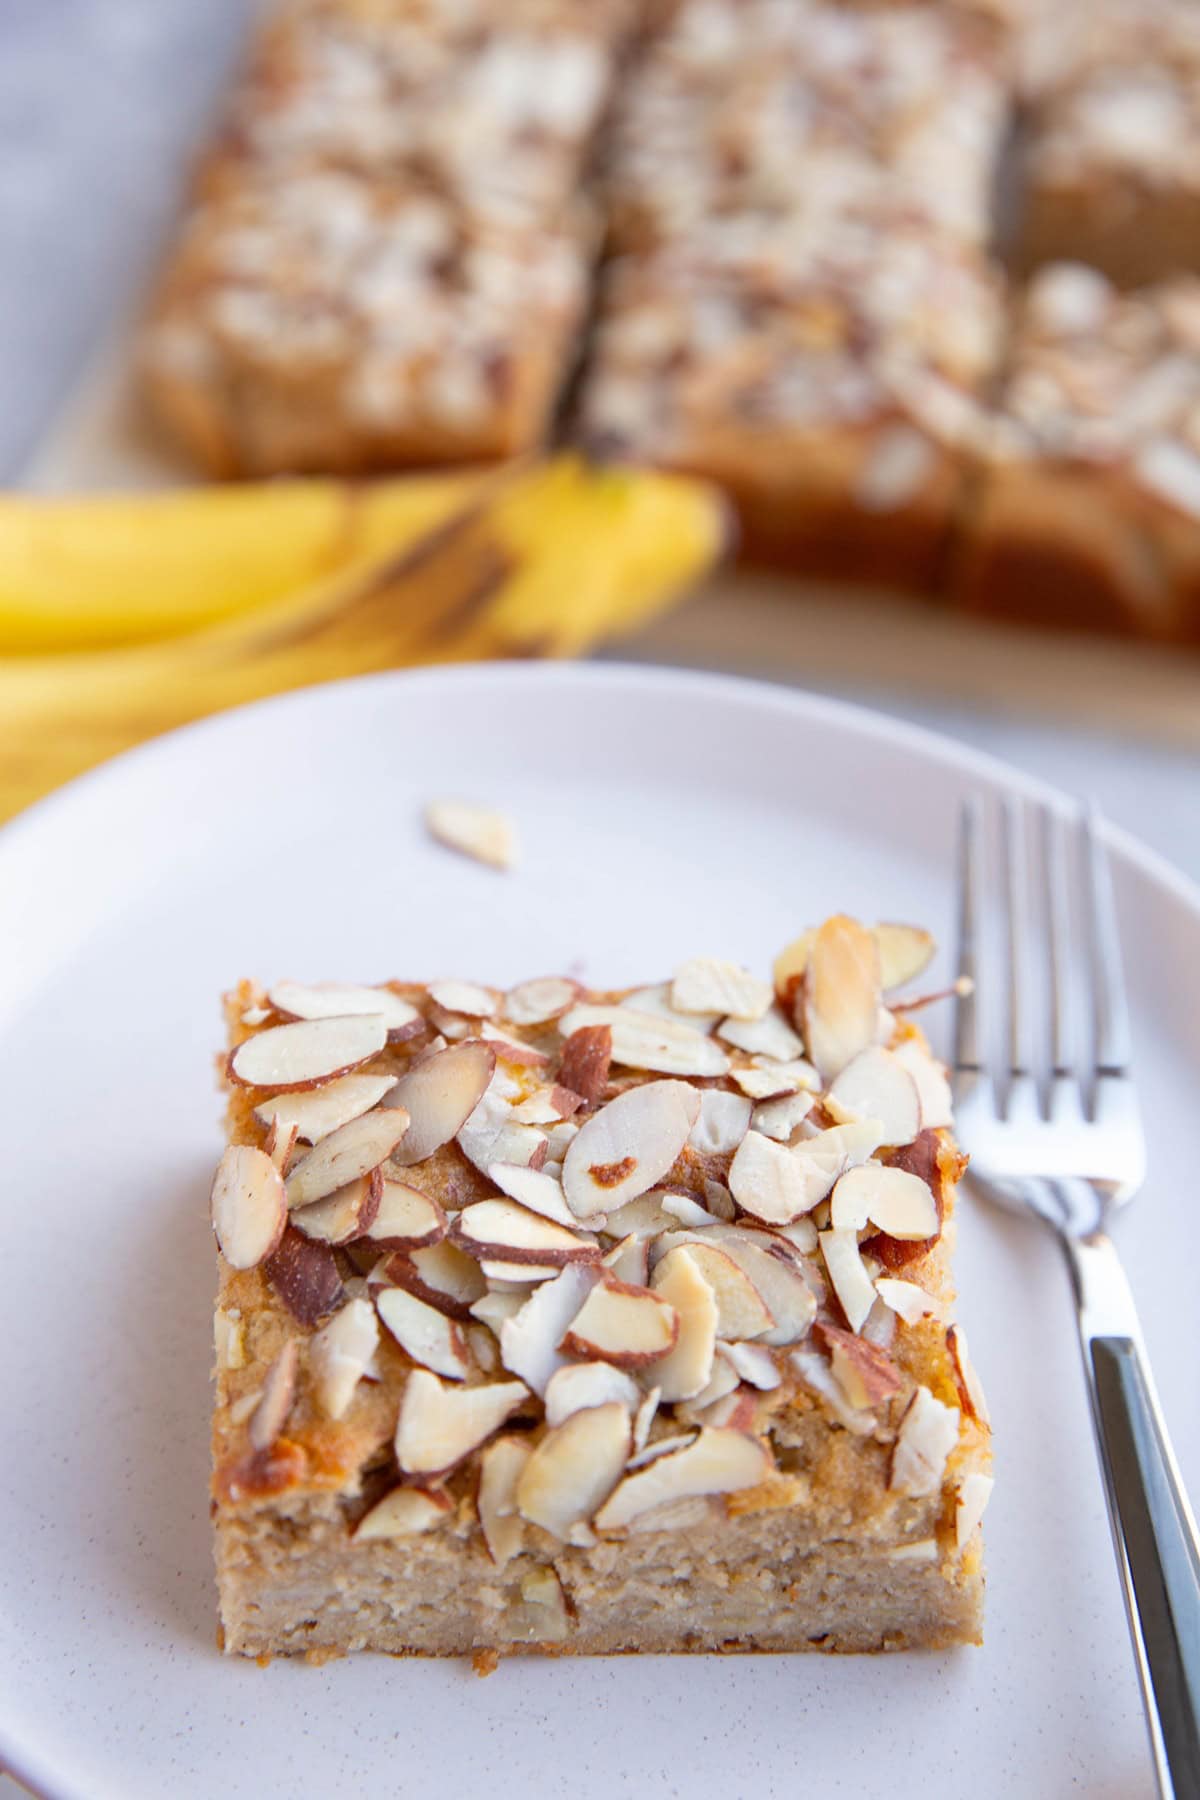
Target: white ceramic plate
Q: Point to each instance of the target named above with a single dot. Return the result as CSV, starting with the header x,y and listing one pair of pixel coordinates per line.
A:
x,y
660,814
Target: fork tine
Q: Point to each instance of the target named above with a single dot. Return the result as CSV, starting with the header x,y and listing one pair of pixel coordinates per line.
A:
x,y
970,886
1112,1041
1013,885
1054,866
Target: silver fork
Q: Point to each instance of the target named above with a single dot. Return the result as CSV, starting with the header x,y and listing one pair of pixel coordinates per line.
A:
x,y
1059,1134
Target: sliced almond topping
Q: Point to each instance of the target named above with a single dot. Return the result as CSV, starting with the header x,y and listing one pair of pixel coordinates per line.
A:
x,y
305,1276
664,1446
752,1363
791,963
538,1001
778,1119
512,1049
778,1278
474,831
586,1058
643,1419
278,1391
816,1373
316,1112
723,1122
339,1000
404,1512
840,994
904,951
574,1469
628,1326
893,1200
537,1190
547,1106
628,1146
405,1219
423,1332
351,1151
642,1041
718,1461
721,1382
494,1308
443,1275
707,984
629,1261
866,1375
249,1206
644,1217
530,1341
922,1550
687,1211
928,1433
500,1469
974,1492
686,1369
851,1283
907,1300
340,1354
741,1310
439,1096
516,1274
719,1201
933,1089
511,1233
540,1617
770,1035
966,1380
463,997
490,1136
343,1215
304,1054
281,1141
579,1385
802,1234
876,1085
656,1001
439,1425
773,1182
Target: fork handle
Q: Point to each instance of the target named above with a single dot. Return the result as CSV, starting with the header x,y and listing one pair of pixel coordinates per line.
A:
x,y
1154,1533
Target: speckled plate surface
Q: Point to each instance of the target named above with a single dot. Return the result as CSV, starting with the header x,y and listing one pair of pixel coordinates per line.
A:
x,y
660,814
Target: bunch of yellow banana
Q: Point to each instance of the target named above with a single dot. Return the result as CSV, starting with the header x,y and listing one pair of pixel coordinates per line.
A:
x,y
123,617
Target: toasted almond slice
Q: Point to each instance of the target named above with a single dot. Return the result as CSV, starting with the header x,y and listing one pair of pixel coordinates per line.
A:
x,y
439,1096
439,1425
496,1306
741,1310
629,1261
280,1142
345,1214
530,1342
867,1376
686,1369
540,1616
776,1274
974,1492
463,997
723,1122
643,1419
802,1234
579,1385
305,1276
538,1001
894,1200
721,1382
851,1283
773,1182
708,984
928,1433
255,1015
536,1190
910,1302
575,1468
405,1219
547,1106
752,1363
904,951
840,995
351,1151
718,1461
307,1053
500,1469
879,1326
443,1275
656,1001
771,1035
510,1048
966,1379
503,1230
663,1446
933,1089
687,1212
249,1206
767,1080
315,1112
642,1041
490,1136
815,1371
340,1354
423,1333
644,1217
275,1403
876,1085
516,1274
449,1026
404,1512
340,1000
628,1326
627,1146
778,1119
474,831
